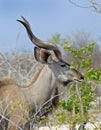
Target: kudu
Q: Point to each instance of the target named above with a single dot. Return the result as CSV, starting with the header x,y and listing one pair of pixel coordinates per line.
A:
x,y
18,102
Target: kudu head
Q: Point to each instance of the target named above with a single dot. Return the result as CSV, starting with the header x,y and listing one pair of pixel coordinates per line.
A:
x,y
43,53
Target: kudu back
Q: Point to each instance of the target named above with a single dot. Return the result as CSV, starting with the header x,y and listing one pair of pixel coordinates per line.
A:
x,y
19,103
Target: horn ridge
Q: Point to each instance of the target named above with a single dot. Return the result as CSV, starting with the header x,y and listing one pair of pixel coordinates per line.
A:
x,y
38,42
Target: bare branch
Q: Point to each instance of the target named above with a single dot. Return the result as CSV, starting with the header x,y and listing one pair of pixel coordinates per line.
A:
x,y
3,117
79,5
42,106
3,114
80,99
93,4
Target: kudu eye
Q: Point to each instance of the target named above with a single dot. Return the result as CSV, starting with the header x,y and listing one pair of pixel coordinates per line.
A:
x,y
63,65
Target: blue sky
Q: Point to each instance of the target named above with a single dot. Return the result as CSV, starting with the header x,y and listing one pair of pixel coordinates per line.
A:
x,y
46,17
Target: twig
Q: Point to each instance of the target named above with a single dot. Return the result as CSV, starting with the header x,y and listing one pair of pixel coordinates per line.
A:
x,y
80,99
11,122
46,103
78,5
92,4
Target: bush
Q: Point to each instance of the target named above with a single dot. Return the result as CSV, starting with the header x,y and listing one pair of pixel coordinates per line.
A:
x,y
75,110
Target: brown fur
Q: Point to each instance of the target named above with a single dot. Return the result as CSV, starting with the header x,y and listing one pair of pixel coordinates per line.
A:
x,y
7,81
15,103
11,103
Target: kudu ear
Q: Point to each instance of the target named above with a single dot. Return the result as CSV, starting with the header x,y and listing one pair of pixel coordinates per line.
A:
x,y
41,55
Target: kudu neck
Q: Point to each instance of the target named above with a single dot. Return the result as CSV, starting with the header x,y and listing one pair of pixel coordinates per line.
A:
x,y
38,76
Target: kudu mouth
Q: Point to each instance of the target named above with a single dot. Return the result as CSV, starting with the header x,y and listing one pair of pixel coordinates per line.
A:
x,y
79,80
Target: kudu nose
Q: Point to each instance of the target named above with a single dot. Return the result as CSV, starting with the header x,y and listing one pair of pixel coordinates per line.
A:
x,y
82,77
79,77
